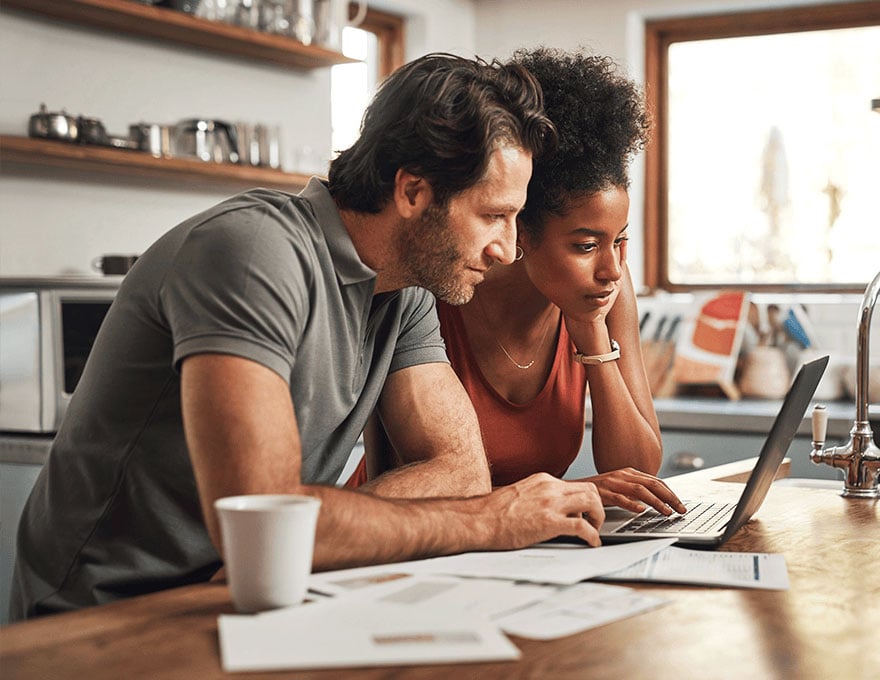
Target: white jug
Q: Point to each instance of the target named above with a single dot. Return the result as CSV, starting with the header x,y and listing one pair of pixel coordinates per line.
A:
x,y
331,16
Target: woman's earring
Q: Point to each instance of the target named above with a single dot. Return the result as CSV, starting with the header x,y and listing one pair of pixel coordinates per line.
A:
x,y
520,253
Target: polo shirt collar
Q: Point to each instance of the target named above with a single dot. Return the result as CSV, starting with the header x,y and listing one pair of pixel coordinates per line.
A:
x,y
349,267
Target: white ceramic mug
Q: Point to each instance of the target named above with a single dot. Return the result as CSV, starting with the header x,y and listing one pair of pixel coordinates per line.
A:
x,y
268,541
331,16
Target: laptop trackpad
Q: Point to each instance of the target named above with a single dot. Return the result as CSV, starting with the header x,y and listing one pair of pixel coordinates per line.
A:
x,y
616,517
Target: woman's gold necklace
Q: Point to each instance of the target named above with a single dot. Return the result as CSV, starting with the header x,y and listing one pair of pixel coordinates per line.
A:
x,y
540,344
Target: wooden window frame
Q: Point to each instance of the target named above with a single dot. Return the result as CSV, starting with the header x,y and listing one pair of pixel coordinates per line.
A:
x,y
390,32
659,35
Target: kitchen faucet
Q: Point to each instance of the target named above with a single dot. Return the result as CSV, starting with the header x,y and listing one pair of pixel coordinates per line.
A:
x,y
860,457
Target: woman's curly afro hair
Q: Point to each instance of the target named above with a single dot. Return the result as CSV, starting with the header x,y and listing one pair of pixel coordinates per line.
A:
x,y
601,121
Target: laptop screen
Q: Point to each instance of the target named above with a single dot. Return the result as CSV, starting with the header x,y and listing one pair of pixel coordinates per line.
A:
x,y
782,433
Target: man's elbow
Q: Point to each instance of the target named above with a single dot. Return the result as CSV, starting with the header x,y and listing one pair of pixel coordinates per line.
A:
x,y
475,480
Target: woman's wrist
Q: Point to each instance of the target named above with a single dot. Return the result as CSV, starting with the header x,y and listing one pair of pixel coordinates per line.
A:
x,y
591,339
595,359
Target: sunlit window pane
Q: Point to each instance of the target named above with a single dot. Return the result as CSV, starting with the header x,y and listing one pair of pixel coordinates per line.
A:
x,y
352,86
774,159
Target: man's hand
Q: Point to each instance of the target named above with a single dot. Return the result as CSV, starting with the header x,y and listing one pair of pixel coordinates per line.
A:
x,y
541,507
634,490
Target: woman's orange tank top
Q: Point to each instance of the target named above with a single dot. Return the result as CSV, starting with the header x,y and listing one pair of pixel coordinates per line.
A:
x,y
542,435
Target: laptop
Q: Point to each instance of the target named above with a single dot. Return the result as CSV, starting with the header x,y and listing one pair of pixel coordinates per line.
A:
x,y
709,523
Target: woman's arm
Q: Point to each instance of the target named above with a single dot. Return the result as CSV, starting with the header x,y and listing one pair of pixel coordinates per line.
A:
x,y
627,448
626,432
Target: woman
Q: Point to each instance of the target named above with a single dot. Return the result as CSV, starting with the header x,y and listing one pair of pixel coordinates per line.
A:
x,y
561,321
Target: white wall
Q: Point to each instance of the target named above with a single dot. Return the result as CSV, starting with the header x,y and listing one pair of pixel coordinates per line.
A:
x,y
435,25
55,222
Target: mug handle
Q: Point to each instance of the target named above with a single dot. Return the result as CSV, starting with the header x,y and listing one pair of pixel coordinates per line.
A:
x,y
361,14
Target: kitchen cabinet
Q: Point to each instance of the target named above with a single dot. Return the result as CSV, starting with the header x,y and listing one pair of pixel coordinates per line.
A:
x,y
685,451
705,432
689,450
16,482
21,459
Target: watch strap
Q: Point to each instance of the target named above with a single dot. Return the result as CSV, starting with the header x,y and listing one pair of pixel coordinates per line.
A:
x,y
592,360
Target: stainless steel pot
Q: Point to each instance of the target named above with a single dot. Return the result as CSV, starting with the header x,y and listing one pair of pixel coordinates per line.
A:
x,y
53,125
152,138
207,140
92,131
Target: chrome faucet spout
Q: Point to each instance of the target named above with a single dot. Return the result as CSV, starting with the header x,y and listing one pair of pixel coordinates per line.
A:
x,y
872,292
860,457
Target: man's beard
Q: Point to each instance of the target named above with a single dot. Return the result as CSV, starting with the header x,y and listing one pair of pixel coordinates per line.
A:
x,y
432,256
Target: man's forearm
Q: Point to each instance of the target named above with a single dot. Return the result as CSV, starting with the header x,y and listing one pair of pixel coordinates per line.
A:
x,y
357,529
362,529
437,477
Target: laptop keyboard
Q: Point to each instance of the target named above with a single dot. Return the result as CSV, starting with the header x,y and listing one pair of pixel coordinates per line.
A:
x,y
700,518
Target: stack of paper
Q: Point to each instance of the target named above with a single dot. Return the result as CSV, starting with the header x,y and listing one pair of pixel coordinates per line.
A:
x,y
558,563
387,625
457,609
696,567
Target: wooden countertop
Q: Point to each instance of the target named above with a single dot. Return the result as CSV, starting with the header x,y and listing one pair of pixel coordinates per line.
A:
x,y
824,626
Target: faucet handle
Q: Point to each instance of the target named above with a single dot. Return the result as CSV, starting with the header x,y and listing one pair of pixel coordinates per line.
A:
x,y
820,425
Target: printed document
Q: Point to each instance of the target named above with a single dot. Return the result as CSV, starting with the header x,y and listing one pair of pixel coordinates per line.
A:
x,y
558,564
572,609
420,619
406,622
696,567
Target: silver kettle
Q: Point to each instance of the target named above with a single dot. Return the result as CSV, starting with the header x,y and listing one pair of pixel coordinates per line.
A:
x,y
206,140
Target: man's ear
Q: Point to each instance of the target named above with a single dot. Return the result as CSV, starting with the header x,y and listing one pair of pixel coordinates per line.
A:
x,y
412,194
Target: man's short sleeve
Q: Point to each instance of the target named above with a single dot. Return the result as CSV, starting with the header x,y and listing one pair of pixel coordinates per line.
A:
x,y
238,286
419,341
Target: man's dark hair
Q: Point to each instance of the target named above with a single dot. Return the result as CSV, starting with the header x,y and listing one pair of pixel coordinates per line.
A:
x,y
439,117
600,120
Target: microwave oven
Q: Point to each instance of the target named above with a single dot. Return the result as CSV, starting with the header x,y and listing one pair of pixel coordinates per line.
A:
x,y
47,329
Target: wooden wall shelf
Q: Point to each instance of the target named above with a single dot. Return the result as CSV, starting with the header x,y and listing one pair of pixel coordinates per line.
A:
x,y
161,23
29,152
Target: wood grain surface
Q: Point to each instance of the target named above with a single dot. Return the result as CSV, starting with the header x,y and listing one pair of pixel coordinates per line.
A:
x,y
824,627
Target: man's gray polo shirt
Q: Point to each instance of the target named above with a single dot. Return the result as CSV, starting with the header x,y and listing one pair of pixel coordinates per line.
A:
x,y
265,275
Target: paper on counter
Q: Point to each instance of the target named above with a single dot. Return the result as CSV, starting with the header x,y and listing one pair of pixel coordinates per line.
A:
x,y
545,563
695,567
412,621
576,608
481,597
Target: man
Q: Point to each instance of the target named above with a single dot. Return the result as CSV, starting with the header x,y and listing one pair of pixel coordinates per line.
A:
x,y
247,348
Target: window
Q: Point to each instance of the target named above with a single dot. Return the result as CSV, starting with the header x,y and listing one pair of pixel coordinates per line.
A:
x,y
764,167
378,43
